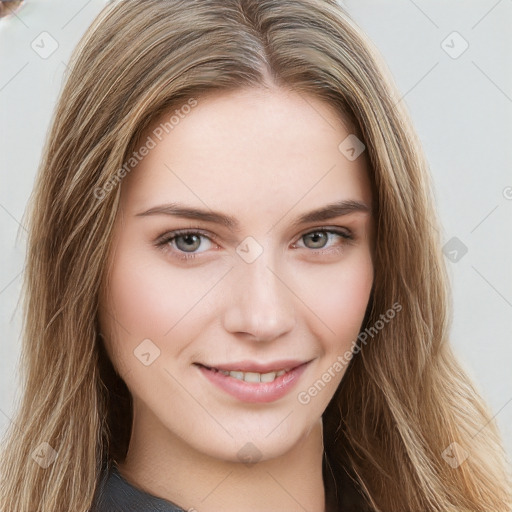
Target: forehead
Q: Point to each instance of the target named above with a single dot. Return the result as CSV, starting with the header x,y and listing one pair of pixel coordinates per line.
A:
x,y
251,149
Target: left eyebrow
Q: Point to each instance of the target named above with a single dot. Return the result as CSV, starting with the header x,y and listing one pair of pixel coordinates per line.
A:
x,y
330,211
333,210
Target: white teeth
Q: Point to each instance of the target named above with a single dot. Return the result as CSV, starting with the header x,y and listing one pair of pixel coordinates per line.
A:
x,y
252,377
268,377
255,377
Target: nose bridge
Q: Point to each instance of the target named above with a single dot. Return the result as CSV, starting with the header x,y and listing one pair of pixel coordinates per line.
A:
x,y
260,303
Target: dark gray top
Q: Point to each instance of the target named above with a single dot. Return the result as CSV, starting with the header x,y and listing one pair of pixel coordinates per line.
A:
x,y
115,494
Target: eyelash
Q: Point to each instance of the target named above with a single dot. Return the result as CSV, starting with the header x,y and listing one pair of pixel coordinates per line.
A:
x,y
163,241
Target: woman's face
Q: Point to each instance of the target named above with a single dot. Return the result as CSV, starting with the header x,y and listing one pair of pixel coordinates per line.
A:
x,y
264,292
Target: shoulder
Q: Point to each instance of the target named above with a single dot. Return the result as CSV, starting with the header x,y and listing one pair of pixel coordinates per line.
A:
x,y
115,494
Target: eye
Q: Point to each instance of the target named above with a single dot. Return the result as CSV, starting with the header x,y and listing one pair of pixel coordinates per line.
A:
x,y
183,243
319,238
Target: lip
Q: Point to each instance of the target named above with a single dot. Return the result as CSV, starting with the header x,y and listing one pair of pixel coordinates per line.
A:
x,y
262,392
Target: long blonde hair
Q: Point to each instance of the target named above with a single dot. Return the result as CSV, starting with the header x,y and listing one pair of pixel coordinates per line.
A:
x,y
404,398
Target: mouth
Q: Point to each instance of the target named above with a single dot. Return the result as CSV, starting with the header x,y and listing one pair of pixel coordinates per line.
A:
x,y
252,382
252,377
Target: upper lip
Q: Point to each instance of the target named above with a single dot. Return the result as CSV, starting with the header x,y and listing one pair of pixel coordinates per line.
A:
x,y
252,366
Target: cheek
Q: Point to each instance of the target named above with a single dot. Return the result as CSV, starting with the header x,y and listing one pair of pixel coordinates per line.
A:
x,y
138,300
340,306
154,301
149,300
149,309
342,299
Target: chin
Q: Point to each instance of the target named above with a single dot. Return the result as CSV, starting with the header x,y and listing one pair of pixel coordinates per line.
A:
x,y
256,443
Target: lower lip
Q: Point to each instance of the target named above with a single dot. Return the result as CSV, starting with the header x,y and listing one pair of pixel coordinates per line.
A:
x,y
262,392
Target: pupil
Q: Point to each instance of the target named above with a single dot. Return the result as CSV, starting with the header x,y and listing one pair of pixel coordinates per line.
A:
x,y
318,235
188,239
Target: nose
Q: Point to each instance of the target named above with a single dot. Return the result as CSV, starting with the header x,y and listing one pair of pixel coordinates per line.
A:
x,y
259,301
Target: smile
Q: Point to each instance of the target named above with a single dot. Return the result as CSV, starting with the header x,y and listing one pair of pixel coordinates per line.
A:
x,y
253,377
244,382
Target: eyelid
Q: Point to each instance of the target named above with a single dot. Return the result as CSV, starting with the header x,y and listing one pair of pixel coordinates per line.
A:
x,y
212,236
162,241
346,234
169,235
195,230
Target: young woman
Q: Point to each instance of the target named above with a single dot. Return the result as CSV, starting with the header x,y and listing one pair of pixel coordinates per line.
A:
x,y
235,293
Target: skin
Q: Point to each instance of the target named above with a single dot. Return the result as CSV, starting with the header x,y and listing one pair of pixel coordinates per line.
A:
x,y
265,157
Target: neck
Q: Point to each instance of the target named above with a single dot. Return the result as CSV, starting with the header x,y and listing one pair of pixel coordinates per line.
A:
x,y
163,465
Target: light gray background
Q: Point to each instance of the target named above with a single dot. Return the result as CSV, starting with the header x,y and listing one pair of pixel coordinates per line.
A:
x,y
461,107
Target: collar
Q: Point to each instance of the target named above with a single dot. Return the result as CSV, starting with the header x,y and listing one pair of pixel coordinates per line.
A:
x,y
115,494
